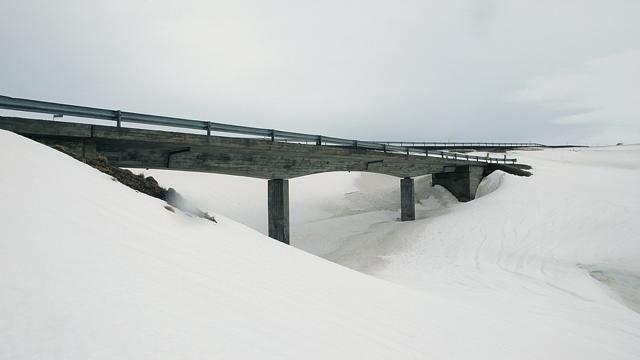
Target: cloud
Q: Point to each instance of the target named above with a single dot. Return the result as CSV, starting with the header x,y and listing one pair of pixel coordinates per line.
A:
x,y
482,15
604,91
374,69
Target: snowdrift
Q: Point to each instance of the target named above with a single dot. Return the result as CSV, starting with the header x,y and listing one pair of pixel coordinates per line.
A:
x,y
92,269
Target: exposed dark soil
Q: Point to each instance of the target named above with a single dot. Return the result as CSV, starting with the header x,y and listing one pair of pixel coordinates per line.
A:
x,y
146,185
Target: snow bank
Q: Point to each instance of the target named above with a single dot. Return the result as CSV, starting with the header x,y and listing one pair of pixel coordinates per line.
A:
x,y
92,269
562,244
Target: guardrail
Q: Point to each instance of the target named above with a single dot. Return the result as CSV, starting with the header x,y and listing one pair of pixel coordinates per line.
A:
x,y
458,145
119,117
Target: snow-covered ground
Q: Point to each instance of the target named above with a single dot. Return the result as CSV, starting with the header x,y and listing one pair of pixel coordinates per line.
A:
x,y
536,268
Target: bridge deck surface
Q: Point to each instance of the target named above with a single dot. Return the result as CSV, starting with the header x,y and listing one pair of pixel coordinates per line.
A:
x,y
259,158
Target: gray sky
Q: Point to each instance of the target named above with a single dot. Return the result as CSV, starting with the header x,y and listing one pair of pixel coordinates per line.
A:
x,y
552,71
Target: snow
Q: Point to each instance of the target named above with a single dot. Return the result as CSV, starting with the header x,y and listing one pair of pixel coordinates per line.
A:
x,y
536,268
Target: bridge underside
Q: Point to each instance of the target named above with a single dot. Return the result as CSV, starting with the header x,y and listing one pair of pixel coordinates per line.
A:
x,y
259,158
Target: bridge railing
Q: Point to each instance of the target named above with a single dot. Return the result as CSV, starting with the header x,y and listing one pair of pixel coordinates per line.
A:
x,y
458,145
119,117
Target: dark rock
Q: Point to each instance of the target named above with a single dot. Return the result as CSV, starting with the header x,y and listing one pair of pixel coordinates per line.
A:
x,y
138,182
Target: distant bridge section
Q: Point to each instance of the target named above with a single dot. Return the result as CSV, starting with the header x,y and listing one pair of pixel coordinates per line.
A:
x,y
254,152
456,146
474,146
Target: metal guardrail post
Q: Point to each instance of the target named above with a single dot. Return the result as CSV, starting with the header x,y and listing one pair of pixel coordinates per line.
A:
x,y
119,118
208,128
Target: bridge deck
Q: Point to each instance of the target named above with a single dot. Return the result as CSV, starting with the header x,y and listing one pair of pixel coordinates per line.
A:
x,y
259,158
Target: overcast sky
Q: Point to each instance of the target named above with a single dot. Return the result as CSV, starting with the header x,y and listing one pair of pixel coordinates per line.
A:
x,y
552,71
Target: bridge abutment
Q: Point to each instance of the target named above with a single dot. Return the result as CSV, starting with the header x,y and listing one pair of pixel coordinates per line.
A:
x,y
278,212
407,199
462,183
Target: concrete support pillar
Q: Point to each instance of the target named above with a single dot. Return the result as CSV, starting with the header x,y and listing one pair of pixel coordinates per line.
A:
x,y
407,200
278,211
462,181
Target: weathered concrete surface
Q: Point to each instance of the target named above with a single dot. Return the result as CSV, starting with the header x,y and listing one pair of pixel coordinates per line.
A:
x,y
461,181
260,158
407,200
278,212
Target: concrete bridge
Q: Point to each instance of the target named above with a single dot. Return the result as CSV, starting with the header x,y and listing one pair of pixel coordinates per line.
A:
x,y
260,153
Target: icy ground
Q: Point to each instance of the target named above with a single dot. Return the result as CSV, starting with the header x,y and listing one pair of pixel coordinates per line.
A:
x,y
537,268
